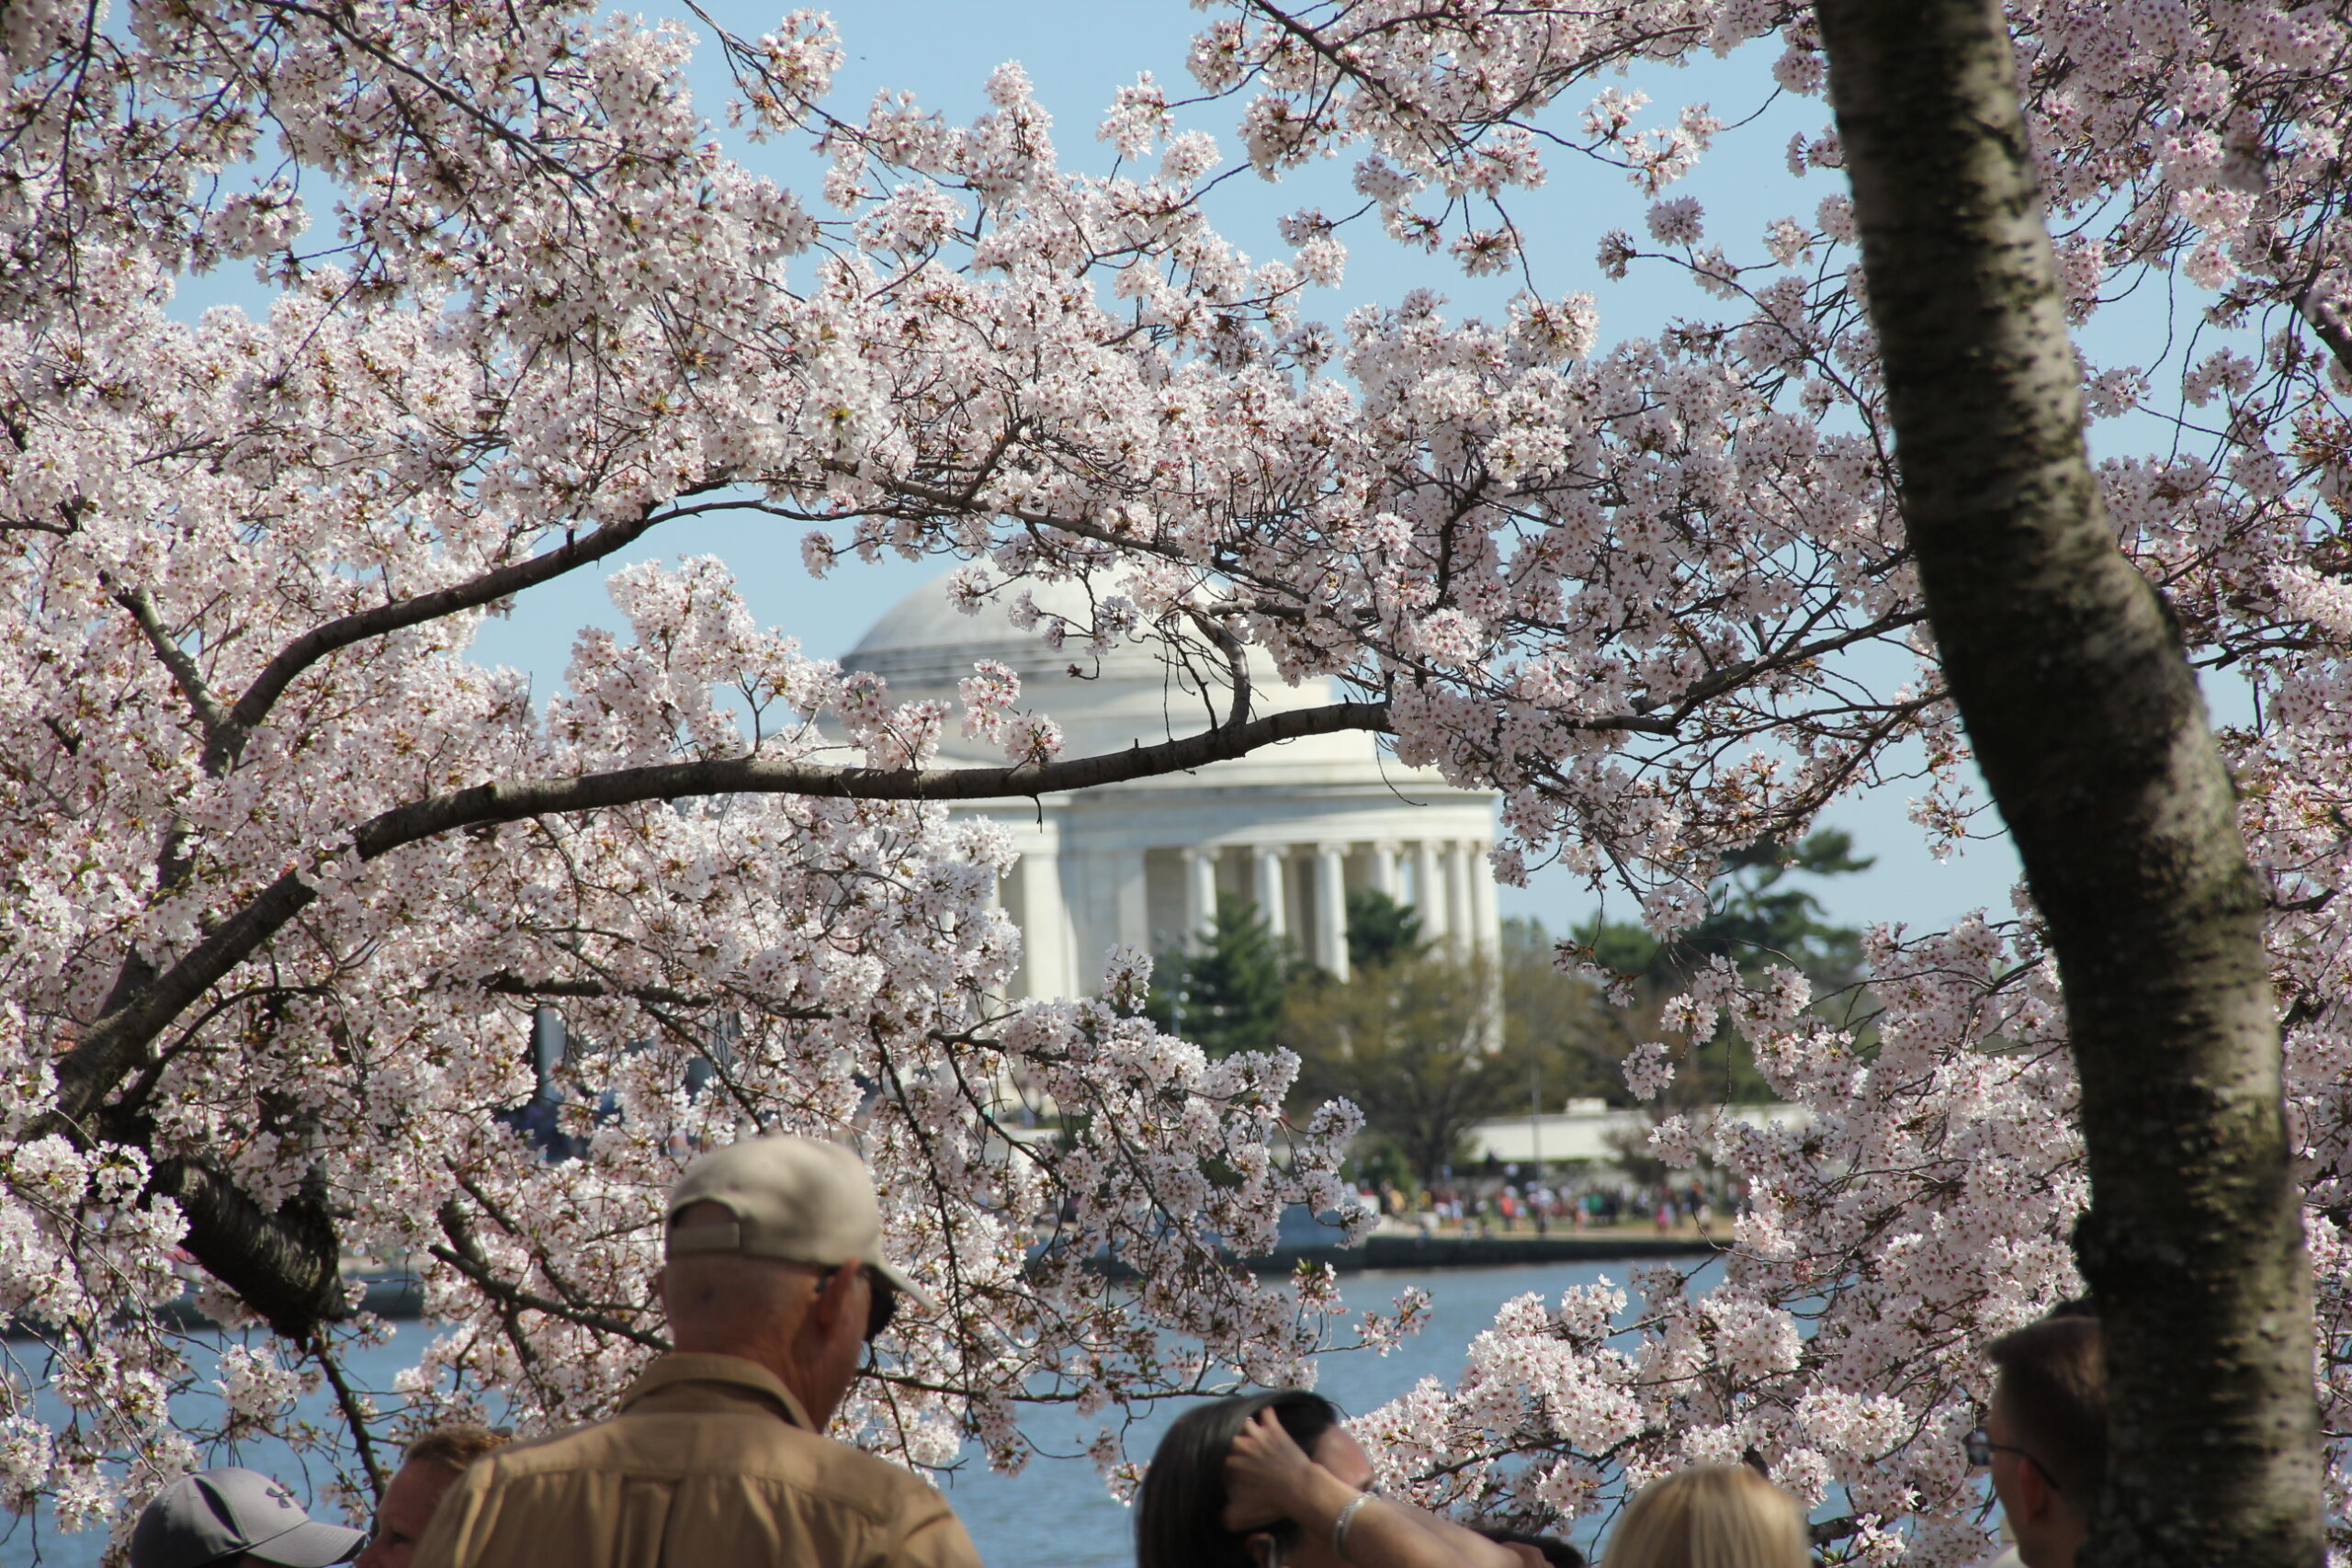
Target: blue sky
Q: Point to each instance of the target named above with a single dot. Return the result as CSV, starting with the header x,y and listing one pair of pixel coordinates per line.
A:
x,y
1077,56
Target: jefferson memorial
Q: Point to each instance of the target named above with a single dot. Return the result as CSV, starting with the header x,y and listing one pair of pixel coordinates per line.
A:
x,y
1296,826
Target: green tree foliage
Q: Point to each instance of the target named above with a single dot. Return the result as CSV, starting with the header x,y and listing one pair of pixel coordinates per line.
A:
x,y
1755,919
1381,930
1412,1038
1566,1031
1225,993
1408,1040
1563,1036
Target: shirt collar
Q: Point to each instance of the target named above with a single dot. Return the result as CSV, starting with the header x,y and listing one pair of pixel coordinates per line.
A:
x,y
679,1366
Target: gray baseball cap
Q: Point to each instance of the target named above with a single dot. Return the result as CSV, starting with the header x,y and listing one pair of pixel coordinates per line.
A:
x,y
229,1512
791,1198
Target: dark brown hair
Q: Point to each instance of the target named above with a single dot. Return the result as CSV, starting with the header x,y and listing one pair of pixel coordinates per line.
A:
x,y
455,1447
1555,1551
2054,1392
1179,1515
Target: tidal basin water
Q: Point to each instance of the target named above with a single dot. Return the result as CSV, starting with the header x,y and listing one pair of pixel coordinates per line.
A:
x,y
1055,1514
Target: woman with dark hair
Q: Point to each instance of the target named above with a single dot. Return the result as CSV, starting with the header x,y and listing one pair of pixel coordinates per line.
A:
x,y
1274,1481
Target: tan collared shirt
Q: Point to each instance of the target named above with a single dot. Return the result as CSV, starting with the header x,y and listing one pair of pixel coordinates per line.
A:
x,y
710,1463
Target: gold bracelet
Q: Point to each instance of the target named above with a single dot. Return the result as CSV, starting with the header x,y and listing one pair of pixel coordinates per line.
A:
x,y
1341,1520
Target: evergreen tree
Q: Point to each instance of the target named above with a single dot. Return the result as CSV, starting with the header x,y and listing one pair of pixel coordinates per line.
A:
x,y
1753,921
1224,991
1756,921
1381,930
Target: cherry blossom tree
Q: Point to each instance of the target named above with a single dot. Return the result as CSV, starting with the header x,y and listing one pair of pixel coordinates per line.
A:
x,y
293,878
2174,141
292,875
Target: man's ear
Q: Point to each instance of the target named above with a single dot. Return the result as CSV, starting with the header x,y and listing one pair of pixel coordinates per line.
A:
x,y
830,1302
2035,1495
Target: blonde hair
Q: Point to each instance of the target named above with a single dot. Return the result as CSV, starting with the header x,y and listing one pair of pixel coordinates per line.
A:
x,y
1710,1515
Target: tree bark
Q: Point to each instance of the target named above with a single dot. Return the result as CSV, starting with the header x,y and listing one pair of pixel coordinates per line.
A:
x,y
284,1265
2086,718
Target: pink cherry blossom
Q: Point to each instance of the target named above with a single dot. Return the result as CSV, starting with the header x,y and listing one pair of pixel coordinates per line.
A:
x,y
1654,589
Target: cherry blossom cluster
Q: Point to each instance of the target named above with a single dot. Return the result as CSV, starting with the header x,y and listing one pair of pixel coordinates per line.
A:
x,y
248,557
292,880
1920,1208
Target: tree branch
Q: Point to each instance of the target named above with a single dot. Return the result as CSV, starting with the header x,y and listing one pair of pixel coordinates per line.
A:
x,y
118,1042
355,1414
280,673
465,1255
505,984
285,1266
207,707
2327,322
514,1298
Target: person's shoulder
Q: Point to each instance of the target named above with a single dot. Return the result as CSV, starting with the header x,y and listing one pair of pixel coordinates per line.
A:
x,y
911,1513
558,1451
849,1468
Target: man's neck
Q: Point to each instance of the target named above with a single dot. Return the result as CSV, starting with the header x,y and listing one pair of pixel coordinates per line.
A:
x,y
2054,1545
771,1360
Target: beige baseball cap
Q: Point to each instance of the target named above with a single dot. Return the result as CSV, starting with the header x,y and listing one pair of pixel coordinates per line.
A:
x,y
792,1197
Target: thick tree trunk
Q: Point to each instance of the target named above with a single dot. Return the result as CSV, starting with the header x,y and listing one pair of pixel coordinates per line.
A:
x,y
284,1265
2087,722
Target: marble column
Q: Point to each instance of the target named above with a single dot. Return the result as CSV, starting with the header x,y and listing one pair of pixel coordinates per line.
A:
x,y
1484,938
1131,897
1046,936
1428,891
1200,891
1486,924
1271,902
1331,910
1384,872
1457,897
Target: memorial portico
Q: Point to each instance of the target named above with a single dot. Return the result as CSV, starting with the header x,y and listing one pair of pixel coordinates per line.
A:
x,y
1294,827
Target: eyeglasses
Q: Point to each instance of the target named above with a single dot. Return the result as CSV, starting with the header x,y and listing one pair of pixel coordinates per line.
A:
x,y
881,1300
1980,1448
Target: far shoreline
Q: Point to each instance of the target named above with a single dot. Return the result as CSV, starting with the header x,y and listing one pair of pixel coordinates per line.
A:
x,y
1384,1253
400,1296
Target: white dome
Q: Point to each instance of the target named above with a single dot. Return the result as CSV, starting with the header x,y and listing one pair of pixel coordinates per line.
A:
x,y
924,647
924,642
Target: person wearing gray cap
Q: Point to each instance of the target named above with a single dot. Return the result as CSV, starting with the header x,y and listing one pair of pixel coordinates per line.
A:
x,y
774,1282
218,1518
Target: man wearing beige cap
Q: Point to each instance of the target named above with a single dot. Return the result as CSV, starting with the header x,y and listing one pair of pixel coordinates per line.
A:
x,y
774,1282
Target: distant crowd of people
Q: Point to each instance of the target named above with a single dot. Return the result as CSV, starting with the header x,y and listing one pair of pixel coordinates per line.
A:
x,y
1532,1204
774,1283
